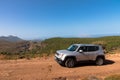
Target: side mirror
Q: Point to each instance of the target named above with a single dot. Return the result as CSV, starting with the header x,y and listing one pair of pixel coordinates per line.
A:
x,y
80,51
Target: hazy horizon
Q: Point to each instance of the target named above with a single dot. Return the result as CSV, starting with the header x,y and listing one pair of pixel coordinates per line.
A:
x,y
43,38
40,19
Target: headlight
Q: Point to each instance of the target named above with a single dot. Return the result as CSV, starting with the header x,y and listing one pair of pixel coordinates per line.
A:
x,y
61,55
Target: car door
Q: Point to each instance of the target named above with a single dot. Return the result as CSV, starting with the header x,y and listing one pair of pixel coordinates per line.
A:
x,y
91,52
81,56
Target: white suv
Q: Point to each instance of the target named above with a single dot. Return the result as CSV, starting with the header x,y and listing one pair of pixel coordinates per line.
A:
x,y
80,52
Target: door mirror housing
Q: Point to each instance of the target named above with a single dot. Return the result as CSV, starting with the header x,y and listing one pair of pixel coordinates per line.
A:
x,y
80,51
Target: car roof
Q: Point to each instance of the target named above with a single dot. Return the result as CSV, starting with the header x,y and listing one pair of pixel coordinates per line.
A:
x,y
86,44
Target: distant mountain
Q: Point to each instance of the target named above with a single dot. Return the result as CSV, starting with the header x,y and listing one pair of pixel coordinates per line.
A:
x,y
13,44
11,38
14,47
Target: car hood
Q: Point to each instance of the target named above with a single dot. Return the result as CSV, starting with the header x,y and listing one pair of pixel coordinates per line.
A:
x,y
64,52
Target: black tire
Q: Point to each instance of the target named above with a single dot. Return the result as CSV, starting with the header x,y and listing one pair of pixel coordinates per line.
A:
x,y
62,64
99,61
70,62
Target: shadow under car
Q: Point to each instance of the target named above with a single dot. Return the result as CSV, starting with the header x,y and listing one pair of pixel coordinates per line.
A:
x,y
92,63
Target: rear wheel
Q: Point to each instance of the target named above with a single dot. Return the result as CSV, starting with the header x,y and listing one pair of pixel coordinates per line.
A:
x,y
99,61
70,62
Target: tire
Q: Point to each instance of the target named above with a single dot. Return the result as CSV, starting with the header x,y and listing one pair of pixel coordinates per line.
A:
x,y
62,64
99,61
70,62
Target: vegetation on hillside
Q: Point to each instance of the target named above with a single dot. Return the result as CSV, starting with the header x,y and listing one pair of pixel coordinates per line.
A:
x,y
109,43
29,49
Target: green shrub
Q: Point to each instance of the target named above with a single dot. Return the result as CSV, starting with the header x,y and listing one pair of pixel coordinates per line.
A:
x,y
113,77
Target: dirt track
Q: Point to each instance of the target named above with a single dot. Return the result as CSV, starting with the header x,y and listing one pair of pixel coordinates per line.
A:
x,y
48,69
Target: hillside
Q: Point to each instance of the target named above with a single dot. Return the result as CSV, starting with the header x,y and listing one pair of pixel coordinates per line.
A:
x,y
23,49
109,43
7,47
12,44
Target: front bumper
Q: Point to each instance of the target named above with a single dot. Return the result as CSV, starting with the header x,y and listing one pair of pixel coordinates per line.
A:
x,y
59,61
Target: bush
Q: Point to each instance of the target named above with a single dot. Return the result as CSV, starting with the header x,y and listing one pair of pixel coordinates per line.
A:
x,y
113,77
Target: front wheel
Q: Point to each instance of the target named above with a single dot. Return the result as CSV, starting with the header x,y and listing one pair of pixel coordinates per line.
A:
x,y
70,62
99,61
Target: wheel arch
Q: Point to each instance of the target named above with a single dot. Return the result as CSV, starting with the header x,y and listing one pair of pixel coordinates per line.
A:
x,y
100,56
73,57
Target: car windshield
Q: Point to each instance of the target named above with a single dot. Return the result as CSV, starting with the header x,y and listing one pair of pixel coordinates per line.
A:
x,y
72,48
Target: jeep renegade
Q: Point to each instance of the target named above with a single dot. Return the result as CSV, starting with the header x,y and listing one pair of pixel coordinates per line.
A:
x,y
80,52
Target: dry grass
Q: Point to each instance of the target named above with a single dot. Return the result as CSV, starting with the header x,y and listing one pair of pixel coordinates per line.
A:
x,y
113,77
2,57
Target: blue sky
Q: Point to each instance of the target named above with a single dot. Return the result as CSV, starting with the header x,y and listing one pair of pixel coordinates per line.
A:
x,y
33,19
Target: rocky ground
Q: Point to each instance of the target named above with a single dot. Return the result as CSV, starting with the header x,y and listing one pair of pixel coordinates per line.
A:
x,y
47,69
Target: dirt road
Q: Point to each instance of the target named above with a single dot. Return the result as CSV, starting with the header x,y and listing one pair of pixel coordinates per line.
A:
x,y
48,69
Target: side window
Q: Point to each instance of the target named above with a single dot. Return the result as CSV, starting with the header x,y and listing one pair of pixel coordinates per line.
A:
x,y
84,48
96,48
93,48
